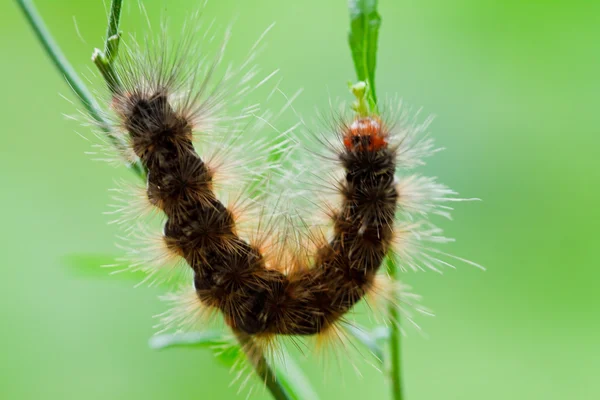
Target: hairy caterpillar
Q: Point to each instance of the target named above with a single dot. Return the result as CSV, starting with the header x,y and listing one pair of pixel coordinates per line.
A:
x,y
270,286
229,273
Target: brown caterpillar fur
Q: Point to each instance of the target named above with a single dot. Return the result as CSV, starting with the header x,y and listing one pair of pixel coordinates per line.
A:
x,y
229,273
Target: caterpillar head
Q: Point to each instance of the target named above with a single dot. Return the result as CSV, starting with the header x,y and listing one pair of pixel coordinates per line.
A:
x,y
365,134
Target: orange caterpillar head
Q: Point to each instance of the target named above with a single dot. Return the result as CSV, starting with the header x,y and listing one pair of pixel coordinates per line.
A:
x,y
365,134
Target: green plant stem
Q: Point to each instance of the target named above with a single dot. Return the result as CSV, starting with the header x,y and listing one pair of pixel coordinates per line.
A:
x,y
362,38
104,59
262,368
114,19
395,364
65,68
365,22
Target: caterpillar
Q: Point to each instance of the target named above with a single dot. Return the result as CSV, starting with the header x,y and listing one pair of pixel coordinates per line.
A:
x,y
229,273
273,284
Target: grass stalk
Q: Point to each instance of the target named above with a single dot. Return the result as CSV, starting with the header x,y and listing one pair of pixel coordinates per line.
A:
x,y
395,355
261,367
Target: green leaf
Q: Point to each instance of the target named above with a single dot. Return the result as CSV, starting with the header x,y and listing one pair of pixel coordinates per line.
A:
x,y
363,36
192,339
105,266
224,349
100,266
91,265
373,340
289,375
256,188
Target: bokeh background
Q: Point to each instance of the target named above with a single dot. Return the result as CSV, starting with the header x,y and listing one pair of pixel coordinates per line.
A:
x,y
515,88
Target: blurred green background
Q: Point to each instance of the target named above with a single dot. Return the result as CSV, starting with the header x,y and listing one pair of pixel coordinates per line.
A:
x,y
515,88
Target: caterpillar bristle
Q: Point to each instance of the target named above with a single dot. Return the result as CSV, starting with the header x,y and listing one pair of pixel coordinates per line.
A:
x,y
254,351
238,166
267,345
382,291
149,252
186,312
130,203
414,246
408,133
109,154
420,196
336,350
385,293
